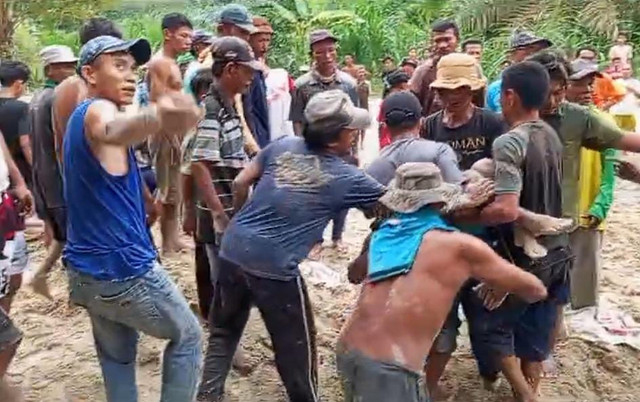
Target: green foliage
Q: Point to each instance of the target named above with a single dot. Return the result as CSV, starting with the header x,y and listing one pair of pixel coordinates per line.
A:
x,y
368,29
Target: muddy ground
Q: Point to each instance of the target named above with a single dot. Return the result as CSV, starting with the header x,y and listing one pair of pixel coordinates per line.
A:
x,y
57,361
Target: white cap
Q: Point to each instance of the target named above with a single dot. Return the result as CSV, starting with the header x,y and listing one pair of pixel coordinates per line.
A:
x,y
57,54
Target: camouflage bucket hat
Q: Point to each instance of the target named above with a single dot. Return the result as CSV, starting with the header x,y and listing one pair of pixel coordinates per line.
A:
x,y
417,185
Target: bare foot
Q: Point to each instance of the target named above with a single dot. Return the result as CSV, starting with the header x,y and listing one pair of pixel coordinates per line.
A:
x,y
544,225
491,385
315,253
524,239
40,286
549,368
240,363
339,246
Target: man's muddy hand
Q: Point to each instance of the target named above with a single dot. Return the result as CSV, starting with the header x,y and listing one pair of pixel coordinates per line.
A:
x,y
627,170
491,298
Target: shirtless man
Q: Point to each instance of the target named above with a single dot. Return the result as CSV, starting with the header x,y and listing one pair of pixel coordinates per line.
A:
x,y
383,346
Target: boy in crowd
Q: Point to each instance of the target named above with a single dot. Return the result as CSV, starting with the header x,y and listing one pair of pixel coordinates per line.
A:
x,y
177,36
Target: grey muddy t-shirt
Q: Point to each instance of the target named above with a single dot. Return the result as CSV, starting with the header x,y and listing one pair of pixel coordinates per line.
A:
x,y
407,150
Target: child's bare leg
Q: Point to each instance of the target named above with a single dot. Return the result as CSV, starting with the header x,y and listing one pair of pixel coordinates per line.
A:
x,y
542,225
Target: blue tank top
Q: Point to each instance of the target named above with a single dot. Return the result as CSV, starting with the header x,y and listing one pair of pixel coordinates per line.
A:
x,y
395,244
107,236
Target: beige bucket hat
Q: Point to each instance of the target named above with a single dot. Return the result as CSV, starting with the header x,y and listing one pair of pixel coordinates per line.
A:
x,y
416,185
456,70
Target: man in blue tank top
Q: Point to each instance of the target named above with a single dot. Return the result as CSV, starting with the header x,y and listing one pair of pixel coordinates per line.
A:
x,y
111,260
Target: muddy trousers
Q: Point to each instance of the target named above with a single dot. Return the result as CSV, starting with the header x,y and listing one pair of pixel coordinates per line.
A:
x,y
204,284
286,311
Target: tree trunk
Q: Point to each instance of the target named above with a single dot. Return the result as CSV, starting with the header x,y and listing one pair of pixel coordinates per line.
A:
x,y
7,29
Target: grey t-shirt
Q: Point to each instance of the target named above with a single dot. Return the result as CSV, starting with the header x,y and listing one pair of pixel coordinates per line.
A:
x,y
46,171
402,151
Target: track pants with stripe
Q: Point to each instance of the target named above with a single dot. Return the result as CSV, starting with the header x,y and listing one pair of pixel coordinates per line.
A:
x,y
286,311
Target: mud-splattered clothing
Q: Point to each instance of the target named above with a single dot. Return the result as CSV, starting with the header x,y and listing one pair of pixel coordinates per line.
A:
x,y
292,203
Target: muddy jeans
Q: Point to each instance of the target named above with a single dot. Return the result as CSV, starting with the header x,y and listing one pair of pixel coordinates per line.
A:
x,y
286,311
153,305
368,380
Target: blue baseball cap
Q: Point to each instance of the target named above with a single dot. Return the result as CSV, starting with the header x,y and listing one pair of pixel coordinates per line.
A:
x,y
140,49
238,15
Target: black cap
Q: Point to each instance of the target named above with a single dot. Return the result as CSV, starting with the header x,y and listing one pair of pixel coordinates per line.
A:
x,y
396,77
230,49
401,109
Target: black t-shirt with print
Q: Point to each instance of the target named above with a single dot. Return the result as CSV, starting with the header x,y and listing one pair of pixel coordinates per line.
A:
x,y
471,141
14,123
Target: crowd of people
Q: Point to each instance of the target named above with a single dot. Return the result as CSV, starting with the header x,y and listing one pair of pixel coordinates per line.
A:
x,y
487,197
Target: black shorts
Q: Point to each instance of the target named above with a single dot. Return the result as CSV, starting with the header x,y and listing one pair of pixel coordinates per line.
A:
x,y
519,328
57,218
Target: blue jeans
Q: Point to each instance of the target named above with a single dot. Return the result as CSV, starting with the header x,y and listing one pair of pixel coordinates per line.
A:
x,y
151,304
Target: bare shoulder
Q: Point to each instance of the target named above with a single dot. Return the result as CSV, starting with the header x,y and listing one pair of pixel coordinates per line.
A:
x,y
99,112
69,89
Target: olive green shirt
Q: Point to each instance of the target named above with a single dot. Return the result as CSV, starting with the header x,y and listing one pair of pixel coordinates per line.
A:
x,y
578,127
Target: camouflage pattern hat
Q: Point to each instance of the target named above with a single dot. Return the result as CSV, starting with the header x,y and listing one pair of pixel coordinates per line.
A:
x,y
416,185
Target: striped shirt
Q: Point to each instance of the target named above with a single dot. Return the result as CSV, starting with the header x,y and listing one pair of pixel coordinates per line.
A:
x,y
219,143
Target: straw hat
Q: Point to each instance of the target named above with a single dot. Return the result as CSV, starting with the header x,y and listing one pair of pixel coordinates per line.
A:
x,y
416,185
456,70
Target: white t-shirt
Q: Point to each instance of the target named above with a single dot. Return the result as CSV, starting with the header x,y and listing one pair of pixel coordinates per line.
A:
x,y
279,101
4,174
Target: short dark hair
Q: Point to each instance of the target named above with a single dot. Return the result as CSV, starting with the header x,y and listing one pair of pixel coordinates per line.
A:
x,y
555,63
530,80
444,26
589,48
318,138
98,26
472,41
12,71
173,21
201,81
